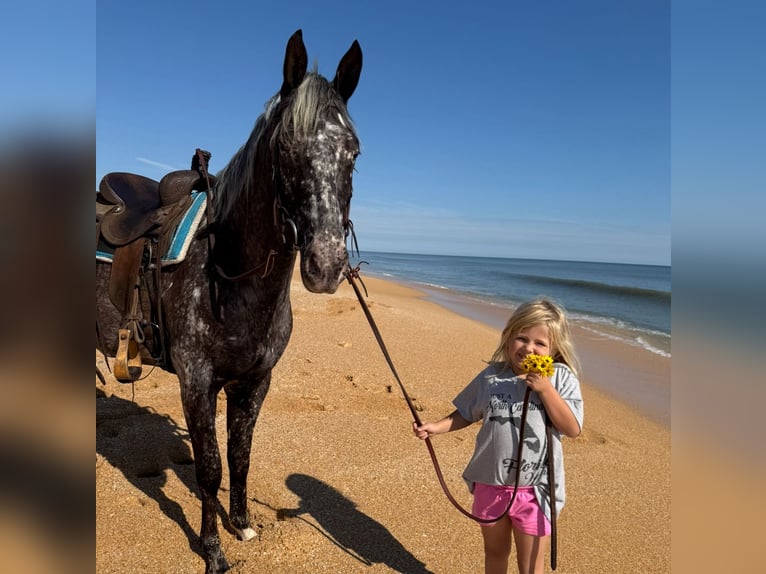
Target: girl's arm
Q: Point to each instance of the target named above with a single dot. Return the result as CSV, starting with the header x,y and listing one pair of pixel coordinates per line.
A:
x,y
453,421
558,411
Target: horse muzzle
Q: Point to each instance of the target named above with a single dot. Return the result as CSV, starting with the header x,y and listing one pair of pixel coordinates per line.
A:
x,y
323,265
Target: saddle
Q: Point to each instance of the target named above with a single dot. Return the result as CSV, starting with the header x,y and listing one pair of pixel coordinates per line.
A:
x,y
135,218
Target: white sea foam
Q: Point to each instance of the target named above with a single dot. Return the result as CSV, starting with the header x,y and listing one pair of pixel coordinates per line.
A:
x,y
649,347
625,337
433,285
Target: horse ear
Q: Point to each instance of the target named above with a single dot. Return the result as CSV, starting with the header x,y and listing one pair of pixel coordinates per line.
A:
x,y
349,69
296,62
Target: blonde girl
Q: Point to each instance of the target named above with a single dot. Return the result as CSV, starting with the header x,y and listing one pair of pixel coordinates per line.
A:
x,y
495,397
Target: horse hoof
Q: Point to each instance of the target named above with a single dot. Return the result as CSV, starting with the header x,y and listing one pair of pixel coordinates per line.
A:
x,y
215,561
246,534
217,566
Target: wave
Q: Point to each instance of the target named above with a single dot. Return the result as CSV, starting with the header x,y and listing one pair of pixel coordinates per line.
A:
x,y
626,297
432,285
396,277
663,296
649,347
634,341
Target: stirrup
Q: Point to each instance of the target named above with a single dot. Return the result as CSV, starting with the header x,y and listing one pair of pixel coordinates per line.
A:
x,y
127,365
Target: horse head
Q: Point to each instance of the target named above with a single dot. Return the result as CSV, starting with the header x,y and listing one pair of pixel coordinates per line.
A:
x,y
315,148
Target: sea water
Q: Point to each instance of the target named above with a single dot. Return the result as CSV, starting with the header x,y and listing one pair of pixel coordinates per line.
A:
x,y
625,302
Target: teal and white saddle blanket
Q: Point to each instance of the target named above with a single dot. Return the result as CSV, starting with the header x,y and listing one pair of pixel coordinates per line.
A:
x,y
182,236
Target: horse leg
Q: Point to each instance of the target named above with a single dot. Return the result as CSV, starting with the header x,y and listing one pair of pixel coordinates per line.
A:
x,y
199,409
244,400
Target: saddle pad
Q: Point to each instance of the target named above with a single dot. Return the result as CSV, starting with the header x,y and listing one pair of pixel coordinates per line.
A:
x,y
182,236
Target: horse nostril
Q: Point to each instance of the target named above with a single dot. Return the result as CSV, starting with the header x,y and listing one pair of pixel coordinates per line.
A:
x,y
313,266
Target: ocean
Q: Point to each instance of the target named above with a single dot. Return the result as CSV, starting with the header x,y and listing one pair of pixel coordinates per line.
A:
x,y
628,303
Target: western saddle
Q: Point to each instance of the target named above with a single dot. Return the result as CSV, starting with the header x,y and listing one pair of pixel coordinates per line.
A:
x,y
135,219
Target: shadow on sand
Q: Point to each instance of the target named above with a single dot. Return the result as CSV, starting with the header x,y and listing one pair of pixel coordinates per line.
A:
x,y
145,446
351,530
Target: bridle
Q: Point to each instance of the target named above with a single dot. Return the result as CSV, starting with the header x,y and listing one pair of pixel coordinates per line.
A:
x,y
352,275
288,231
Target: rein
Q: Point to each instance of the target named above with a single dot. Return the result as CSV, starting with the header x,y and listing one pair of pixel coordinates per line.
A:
x,y
352,274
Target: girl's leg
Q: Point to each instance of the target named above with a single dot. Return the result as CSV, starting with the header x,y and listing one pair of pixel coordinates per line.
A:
x,y
530,552
497,546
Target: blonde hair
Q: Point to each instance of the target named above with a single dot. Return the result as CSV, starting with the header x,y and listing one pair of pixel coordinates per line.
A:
x,y
532,314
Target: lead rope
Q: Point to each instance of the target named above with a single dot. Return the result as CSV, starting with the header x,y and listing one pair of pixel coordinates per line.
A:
x,y
552,486
351,275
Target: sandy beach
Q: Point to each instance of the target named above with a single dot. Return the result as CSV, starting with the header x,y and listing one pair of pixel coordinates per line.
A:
x,y
339,484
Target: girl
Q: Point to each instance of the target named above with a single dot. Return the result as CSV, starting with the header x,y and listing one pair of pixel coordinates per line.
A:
x,y
496,398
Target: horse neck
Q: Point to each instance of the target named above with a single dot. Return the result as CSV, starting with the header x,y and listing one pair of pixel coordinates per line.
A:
x,y
249,232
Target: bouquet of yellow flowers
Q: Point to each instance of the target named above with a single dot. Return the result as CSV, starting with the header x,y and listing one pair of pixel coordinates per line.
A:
x,y
540,364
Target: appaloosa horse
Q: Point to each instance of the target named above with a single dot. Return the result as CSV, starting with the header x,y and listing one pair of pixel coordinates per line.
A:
x,y
289,185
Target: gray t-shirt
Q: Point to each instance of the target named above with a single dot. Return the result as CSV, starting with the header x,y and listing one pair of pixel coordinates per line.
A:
x,y
496,398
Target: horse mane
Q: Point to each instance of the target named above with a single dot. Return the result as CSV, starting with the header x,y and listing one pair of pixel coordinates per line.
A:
x,y
303,109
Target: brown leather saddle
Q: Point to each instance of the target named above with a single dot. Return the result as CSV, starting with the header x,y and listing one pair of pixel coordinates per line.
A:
x,y
135,218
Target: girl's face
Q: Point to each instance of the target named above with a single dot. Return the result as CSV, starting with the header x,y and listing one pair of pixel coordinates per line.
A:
x,y
534,340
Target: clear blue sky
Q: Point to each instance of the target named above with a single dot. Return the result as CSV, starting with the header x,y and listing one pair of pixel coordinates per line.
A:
x,y
510,129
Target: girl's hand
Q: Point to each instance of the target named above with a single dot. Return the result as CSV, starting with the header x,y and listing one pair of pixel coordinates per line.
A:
x,y
559,412
422,432
453,421
538,383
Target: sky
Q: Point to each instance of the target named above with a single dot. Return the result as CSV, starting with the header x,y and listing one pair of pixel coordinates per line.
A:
x,y
48,66
502,129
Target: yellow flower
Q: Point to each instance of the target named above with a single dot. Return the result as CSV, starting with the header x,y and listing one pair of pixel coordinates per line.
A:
x,y
541,364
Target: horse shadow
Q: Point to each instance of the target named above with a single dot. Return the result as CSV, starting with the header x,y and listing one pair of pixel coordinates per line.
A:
x,y
145,446
352,531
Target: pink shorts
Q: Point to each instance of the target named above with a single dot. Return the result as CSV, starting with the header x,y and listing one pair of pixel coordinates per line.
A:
x,y
525,514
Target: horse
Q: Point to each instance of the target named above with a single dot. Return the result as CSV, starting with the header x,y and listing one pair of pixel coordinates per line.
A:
x,y
286,190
